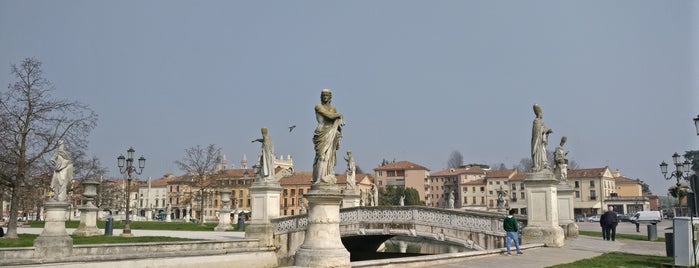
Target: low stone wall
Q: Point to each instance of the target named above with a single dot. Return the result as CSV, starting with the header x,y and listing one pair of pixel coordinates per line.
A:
x,y
246,253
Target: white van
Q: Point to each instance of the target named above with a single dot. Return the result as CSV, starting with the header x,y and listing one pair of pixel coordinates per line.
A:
x,y
647,216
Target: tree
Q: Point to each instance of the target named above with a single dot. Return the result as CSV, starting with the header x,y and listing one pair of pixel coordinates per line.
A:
x,y
456,160
390,196
32,124
645,188
200,164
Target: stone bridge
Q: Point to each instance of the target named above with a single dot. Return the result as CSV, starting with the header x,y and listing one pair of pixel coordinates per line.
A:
x,y
364,229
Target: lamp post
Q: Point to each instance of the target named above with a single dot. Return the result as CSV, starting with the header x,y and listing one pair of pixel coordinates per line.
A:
x,y
128,169
681,172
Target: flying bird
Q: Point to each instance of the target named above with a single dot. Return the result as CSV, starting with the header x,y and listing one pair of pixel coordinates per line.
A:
x,y
291,128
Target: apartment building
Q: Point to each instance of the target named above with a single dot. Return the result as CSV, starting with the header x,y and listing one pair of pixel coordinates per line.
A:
x,y
498,180
593,186
298,184
467,183
403,173
517,193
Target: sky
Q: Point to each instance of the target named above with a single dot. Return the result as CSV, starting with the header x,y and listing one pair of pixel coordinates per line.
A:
x,y
415,80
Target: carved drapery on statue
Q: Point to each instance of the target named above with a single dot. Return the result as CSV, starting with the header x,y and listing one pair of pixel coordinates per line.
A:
x,y
62,172
540,134
561,161
266,160
326,140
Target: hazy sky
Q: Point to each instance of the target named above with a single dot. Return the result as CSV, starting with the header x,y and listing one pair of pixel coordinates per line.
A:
x,y
415,80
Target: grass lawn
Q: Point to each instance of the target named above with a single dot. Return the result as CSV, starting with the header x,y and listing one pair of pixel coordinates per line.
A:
x,y
145,225
623,236
616,259
27,240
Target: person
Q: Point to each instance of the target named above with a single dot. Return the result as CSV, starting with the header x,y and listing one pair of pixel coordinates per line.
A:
x,y
561,161
609,221
326,139
540,134
512,229
266,161
62,172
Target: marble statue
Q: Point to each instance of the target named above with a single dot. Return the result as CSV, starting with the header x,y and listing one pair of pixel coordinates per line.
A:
x,y
402,200
560,158
302,205
266,160
501,197
351,183
326,139
374,195
62,172
451,199
540,134
362,196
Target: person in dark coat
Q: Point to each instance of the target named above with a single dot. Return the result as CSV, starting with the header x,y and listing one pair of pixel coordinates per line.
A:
x,y
609,221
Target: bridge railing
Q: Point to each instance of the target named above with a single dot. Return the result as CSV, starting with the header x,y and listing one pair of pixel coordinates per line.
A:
x,y
471,220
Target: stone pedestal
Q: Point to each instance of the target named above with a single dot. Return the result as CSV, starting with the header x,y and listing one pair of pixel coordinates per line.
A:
x,y
350,199
264,207
322,246
542,210
149,215
88,221
566,208
224,220
54,241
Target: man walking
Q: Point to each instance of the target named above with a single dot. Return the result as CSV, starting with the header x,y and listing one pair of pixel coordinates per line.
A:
x,y
512,229
609,222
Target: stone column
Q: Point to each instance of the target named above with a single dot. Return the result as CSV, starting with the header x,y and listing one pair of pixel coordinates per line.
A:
x,y
88,212
224,214
322,245
542,210
54,241
566,208
350,198
264,207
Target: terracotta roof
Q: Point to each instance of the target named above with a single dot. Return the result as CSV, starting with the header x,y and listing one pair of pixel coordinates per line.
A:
x,y
625,180
298,178
342,178
402,165
505,173
519,176
237,173
586,173
473,170
161,182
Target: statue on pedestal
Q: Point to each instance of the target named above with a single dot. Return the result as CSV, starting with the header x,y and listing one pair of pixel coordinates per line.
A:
x,y
540,135
451,199
351,183
402,200
62,172
326,139
561,160
266,161
374,195
501,197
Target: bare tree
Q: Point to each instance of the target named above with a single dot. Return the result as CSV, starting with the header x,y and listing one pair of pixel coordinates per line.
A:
x,y
456,160
33,123
200,164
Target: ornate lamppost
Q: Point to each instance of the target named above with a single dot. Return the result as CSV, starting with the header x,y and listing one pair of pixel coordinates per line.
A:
x,y
128,169
681,172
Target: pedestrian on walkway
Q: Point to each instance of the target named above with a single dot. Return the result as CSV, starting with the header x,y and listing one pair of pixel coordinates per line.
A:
x,y
512,229
609,222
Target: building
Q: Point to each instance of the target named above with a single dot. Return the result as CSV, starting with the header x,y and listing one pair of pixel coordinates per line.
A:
x,y
518,198
466,183
152,197
498,180
403,173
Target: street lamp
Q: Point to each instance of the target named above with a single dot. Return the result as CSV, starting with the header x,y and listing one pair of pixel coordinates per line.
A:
x,y
682,170
128,169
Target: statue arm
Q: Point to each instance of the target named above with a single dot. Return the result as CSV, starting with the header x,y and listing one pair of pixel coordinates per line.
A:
x,y
328,113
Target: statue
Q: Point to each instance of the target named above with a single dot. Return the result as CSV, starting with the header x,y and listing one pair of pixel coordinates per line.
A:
x,y
351,183
62,172
402,200
326,139
266,160
374,195
451,199
501,197
362,196
540,135
561,160
302,204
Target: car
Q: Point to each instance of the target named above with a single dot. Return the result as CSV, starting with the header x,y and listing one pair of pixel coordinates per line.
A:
x,y
594,218
624,217
652,217
579,218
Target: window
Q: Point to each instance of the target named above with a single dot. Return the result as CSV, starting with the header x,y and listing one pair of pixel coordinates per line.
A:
x,y
300,191
380,173
491,203
474,189
592,183
577,184
521,185
514,196
497,182
465,189
391,173
482,200
293,192
577,194
514,186
482,189
285,192
474,200
490,192
490,182
522,195
593,195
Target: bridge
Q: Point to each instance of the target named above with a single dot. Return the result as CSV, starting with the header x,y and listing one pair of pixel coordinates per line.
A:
x,y
364,229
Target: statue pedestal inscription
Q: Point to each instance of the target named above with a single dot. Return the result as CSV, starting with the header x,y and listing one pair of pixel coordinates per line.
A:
x,y
542,210
322,246
54,241
566,208
265,206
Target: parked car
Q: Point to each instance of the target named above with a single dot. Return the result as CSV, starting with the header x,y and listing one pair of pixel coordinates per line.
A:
x,y
624,217
579,218
594,218
647,217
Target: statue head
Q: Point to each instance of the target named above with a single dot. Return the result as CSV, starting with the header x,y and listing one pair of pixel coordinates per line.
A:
x,y
537,110
325,95
264,131
563,140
